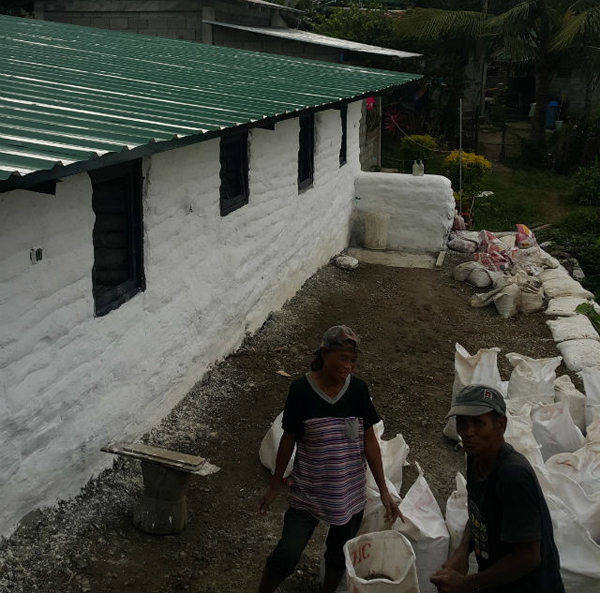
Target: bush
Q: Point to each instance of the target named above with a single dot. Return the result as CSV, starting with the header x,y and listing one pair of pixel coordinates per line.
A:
x,y
474,171
587,185
415,148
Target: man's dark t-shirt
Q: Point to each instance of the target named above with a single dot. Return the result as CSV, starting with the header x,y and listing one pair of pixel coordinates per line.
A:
x,y
507,508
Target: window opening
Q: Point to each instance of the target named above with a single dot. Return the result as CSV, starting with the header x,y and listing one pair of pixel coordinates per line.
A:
x,y
306,151
233,156
343,147
118,272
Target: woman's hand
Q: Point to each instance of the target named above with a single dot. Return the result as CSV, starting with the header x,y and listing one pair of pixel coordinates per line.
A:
x,y
268,497
392,511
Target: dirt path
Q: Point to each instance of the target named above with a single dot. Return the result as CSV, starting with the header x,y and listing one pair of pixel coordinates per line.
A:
x,y
409,321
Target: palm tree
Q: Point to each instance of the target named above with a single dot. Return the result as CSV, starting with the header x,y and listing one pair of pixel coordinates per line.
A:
x,y
540,31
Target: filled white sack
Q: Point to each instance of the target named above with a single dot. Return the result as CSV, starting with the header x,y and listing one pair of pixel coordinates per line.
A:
x,y
474,273
578,552
393,456
532,379
561,287
384,554
591,384
575,478
457,513
593,429
425,528
477,369
559,273
508,301
577,327
580,354
269,445
564,390
374,513
564,306
554,430
519,434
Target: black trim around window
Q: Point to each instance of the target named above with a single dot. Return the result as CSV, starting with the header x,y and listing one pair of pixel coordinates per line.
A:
x,y
344,142
233,156
118,271
306,151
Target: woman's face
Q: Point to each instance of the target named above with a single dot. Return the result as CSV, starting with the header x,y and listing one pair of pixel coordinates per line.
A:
x,y
338,364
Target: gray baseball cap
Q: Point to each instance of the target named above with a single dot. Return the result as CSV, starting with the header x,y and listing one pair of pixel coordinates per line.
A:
x,y
340,337
475,400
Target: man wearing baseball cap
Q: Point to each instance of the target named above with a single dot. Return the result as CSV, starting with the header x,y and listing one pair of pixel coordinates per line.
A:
x,y
509,526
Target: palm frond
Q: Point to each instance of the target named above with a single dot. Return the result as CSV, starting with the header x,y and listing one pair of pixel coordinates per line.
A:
x,y
514,16
584,25
433,23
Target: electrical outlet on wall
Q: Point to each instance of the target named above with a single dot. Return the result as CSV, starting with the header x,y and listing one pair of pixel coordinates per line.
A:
x,y
36,254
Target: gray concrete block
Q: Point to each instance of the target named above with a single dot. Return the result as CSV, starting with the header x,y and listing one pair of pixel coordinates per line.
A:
x,y
171,22
101,22
137,23
82,20
118,22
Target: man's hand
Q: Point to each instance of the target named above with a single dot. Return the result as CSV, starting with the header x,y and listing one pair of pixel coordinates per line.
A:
x,y
268,497
448,580
392,512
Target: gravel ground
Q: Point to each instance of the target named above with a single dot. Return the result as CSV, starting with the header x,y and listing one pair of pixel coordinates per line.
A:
x,y
409,320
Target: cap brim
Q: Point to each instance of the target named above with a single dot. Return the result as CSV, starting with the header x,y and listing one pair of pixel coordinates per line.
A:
x,y
469,410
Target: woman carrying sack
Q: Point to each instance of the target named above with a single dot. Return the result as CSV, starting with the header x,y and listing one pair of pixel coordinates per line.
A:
x,y
329,415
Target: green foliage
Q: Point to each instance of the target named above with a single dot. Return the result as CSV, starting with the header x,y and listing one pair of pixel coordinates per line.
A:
x,y
587,185
576,145
367,24
417,147
588,310
474,171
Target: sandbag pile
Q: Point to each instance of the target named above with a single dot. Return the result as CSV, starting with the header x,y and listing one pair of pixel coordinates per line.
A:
x,y
547,420
521,274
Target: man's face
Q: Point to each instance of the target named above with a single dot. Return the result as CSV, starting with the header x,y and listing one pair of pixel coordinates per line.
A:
x,y
480,434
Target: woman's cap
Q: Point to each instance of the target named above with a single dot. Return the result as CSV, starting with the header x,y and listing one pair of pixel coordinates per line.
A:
x,y
341,337
475,400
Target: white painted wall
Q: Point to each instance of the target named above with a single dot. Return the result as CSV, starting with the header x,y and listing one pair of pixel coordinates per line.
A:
x,y
71,382
421,209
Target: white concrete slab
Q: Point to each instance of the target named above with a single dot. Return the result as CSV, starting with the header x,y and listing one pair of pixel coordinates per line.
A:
x,y
394,259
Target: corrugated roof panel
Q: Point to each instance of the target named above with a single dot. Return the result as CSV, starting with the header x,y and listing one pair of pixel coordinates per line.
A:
x,y
70,93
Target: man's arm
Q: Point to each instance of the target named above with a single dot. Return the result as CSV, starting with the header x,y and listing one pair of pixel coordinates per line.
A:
x,y
510,568
284,452
373,455
459,561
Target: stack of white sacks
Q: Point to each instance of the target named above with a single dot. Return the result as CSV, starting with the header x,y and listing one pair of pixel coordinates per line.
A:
x,y
557,428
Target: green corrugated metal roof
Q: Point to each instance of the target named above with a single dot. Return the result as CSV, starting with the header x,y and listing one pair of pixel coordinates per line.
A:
x,y
69,93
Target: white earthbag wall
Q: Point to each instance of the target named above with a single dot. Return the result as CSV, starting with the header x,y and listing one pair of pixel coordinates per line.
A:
x,y
421,209
70,382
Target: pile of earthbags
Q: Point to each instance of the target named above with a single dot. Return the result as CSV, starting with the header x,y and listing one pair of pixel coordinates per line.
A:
x,y
557,428
520,275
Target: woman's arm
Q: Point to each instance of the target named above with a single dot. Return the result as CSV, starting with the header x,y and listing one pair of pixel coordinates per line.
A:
x,y
284,452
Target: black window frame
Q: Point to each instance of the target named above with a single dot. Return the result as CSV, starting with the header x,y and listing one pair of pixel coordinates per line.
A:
x,y
344,139
306,151
130,175
233,161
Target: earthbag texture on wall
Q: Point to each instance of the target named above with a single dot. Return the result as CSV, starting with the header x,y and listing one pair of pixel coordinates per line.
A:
x,y
381,562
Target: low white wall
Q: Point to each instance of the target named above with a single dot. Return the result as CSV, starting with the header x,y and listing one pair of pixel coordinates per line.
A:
x,y
421,209
69,381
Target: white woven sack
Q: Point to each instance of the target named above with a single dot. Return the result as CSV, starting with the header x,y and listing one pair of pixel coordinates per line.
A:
x,y
508,301
580,354
384,554
519,434
564,306
578,552
575,478
554,430
561,287
591,384
457,513
269,445
532,301
593,429
479,369
425,528
462,271
564,390
393,456
577,327
532,379
559,273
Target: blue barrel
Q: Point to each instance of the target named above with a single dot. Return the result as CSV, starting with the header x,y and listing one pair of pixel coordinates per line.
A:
x,y
551,114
